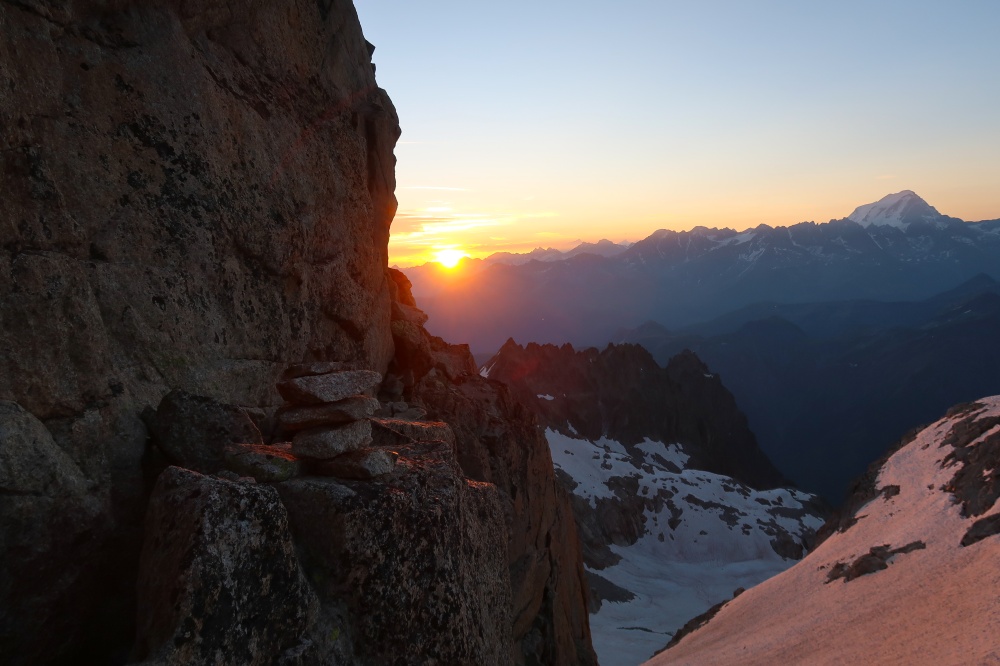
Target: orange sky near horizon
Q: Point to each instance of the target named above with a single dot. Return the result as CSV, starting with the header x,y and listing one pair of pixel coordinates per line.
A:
x,y
432,220
528,124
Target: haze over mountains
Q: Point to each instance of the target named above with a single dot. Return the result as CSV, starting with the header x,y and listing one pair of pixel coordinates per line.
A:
x,y
834,338
899,248
602,248
827,386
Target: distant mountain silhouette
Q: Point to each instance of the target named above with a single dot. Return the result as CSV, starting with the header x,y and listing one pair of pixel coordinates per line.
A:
x,y
602,248
899,248
827,386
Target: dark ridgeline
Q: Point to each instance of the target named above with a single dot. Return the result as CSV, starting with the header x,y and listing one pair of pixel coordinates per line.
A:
x,y
622,394
828,386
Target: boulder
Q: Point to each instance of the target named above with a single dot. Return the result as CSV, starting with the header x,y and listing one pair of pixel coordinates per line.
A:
x,y
350,409
455,361
51,519
317,389
193,431
403,312
419,558
363,464
315,368
218,579
498,441
332,441
393,433
261,462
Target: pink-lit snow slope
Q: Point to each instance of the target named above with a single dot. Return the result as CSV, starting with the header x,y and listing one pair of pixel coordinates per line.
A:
x,y
939,604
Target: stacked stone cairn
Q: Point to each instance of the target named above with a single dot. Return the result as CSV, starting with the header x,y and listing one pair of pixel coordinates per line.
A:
x,y
328,408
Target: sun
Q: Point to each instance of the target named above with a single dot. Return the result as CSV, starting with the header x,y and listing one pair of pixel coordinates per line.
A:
x,y
449,257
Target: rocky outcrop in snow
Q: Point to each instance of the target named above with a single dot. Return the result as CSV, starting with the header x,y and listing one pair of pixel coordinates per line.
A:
x,y
896,210
914,549
641,448
621,393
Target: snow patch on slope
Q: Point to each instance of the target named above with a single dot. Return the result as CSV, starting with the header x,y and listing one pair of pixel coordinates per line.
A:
x,y
704,535
894,210
933,605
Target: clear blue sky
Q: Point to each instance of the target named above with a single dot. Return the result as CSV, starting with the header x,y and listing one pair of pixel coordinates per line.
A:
x,y
549,122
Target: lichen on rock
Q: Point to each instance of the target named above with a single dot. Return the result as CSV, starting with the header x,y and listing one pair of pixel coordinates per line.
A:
x,y
195,197
218,580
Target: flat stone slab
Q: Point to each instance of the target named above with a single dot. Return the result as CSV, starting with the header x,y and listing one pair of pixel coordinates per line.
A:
x,y
363,464
398,432
314,368
318,389
403,312
350,409
262,462
193,430
332,441
411,414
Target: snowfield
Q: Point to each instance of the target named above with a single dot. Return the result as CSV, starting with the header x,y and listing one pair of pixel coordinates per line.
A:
x,y
934,601
705,536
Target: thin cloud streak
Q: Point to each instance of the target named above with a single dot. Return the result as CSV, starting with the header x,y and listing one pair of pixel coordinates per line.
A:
x,y
436,187
417,234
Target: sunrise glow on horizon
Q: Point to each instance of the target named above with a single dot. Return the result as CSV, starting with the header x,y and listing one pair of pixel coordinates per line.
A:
x,y
548,124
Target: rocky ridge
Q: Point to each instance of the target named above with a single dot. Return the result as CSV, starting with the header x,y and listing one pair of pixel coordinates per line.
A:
x,y
621,393
196,200
498,441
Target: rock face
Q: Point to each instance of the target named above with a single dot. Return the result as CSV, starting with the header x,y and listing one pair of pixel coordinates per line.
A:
x,y
197,198
412,565
50,515
896,555
194,197
218,576
498,441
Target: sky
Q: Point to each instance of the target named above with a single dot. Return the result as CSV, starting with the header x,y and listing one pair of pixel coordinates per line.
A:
x,y
548,122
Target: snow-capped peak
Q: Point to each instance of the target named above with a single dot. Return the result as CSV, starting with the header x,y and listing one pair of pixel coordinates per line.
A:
x,y
895,210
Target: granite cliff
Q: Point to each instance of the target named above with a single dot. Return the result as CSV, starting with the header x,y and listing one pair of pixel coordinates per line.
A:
x,y
196,198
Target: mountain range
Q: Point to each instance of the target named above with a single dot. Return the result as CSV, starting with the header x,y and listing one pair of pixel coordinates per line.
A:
x,y
602,248
828,386
899,248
